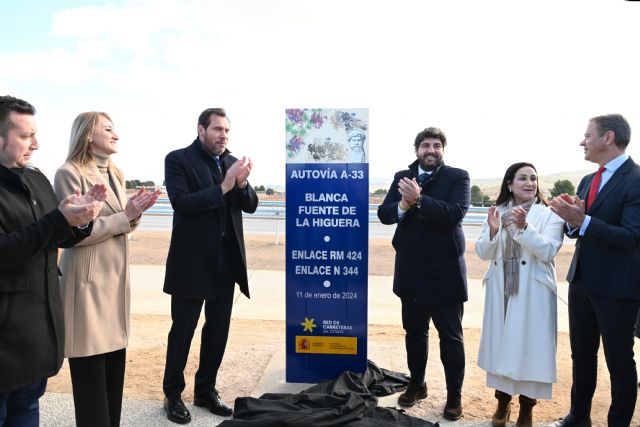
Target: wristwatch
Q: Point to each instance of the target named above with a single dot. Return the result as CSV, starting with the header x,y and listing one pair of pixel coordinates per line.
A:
x,y
418,201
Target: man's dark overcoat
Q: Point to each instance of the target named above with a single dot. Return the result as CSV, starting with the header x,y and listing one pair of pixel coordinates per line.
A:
x,y
429,242
31,322
199,221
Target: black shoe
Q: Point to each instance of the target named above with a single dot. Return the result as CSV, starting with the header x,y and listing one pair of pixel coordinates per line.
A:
x,y
176,411
571,421
212,401
412,394
453,407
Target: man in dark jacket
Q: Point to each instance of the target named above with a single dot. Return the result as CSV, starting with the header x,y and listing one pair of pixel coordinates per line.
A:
x,y
32,226
208,190
604,275
428,202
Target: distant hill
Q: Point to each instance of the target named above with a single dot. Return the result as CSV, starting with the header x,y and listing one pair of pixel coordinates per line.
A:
x,y
491,186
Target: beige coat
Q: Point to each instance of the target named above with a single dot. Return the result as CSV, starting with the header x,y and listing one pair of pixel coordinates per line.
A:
x,y
95,273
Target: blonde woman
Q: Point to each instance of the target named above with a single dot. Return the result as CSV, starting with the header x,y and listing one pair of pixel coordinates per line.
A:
x,y
95,274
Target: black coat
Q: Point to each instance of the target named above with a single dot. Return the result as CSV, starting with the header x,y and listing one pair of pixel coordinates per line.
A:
x,y
31,230
200,212
608,255
429,241
350,400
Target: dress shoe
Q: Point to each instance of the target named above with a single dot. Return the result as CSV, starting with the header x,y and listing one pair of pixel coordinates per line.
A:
x,y
453,407
412,394
176,411
212,401
571,421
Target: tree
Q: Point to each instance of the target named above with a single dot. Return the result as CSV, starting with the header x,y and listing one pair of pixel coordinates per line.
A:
x,y
478,198
259,188
269,192
476,195
486,200
134,183
563,186
380,192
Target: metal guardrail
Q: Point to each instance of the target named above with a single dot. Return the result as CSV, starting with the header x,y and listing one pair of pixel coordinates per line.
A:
x,y
276,210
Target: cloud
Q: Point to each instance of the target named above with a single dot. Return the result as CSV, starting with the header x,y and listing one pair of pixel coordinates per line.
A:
x,y
57,66
506,81
130,28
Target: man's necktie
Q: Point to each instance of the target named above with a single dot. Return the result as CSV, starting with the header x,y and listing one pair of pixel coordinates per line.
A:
x,y
422,178
219,174
593,190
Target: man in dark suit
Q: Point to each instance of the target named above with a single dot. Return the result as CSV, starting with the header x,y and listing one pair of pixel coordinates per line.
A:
x,y
604,277
428,202
208,190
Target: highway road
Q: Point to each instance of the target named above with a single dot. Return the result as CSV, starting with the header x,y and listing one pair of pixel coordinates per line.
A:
x,y
270,219
266,226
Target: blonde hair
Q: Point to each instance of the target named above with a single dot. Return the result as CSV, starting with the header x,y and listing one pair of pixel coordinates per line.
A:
x,y
80,140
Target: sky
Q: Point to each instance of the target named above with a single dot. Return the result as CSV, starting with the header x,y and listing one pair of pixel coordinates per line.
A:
x,y
506,81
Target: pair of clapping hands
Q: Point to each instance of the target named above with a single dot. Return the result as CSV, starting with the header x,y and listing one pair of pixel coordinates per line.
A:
x,y
569,208
237,174
518,219
82,209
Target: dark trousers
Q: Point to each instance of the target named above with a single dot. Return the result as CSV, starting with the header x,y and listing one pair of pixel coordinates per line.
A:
x,y
20,408
97,388
448,322
185,313
593,316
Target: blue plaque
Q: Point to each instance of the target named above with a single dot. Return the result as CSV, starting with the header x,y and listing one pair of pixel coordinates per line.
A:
x,y
327,230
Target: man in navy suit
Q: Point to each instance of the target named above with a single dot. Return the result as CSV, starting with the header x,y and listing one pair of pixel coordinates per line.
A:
x,y
428,202
604,277
208,190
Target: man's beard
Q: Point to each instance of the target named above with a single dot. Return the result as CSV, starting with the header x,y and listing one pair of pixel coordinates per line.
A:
x,y
437,161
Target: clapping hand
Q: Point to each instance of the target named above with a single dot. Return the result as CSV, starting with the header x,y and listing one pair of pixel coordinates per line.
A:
x,y
244,171
237,174
96,193
493,219
409,190
569,208
140,202
82,209
519,217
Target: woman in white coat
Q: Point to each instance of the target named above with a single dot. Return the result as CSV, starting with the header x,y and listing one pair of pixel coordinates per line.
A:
x,y
95,274
518,344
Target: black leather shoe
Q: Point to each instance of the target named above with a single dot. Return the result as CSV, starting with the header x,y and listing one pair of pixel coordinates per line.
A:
x,y
412,394
176,411
571,421
212,401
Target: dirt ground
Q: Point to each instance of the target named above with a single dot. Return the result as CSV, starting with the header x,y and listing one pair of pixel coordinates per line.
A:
x,y
252,343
